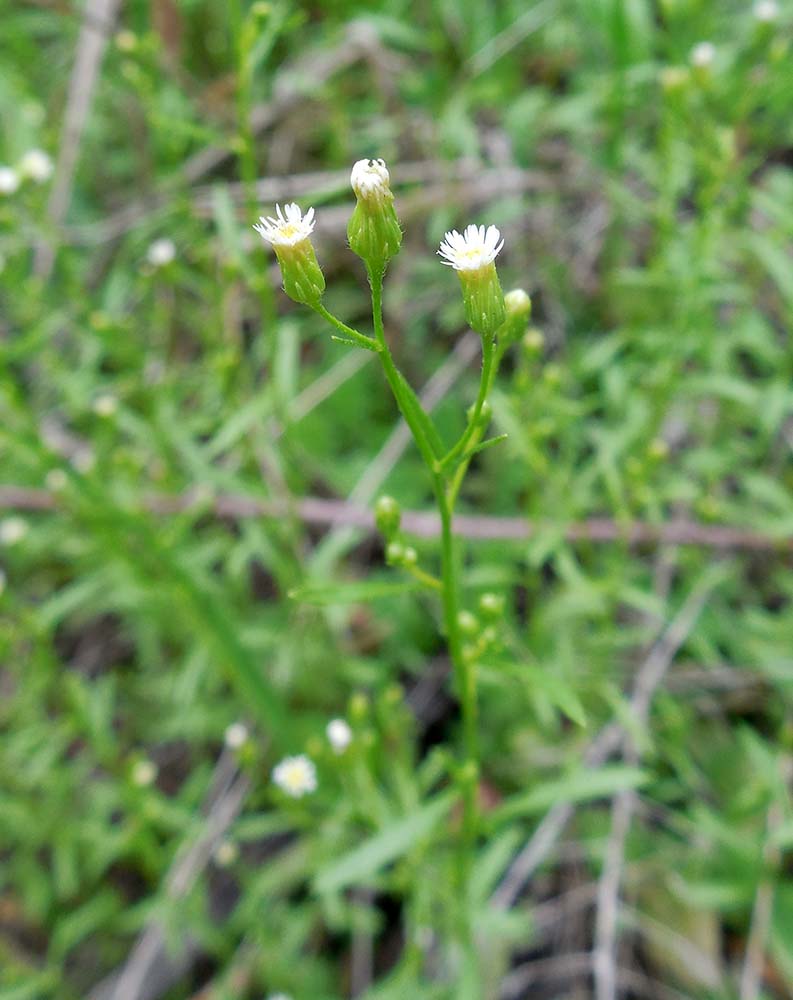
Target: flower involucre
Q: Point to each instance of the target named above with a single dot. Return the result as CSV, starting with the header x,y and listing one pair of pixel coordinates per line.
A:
x,y
289,228
373,231
471,250
472,254
289,234
296,776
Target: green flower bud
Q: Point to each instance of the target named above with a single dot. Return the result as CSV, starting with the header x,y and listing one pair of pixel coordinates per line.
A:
x,y
290,237
472,254
518,306
468,623
395,553
533,341
387,516
491,606
373,230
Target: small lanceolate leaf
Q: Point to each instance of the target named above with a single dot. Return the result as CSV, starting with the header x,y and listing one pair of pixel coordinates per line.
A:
x,y
366,861
582,786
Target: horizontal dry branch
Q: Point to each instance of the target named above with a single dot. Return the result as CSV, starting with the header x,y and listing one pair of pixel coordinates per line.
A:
x,y
323,513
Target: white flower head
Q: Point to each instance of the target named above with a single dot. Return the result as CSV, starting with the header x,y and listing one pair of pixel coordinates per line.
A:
x,y
472,250
9,180
13,530
289,228
703,54
236,735
339,735
143,773
226,853
766,11
56,480
37,165
370,180
161,252
105,405
279,996
296,776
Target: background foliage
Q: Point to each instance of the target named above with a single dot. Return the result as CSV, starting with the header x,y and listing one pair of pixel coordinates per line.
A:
x,y
646,205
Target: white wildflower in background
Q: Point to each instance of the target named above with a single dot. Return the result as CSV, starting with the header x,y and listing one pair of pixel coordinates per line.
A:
x,y
289,228
471,250
83,459
56,480
278,996
226,853
9,180
105,405
37,165
236,735
339,735
13,530
143,773
296,776
161,252
703,54
370,180
766,11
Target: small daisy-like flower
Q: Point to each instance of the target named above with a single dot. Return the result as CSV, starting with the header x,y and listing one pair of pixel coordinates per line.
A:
x,y
37,165
339,735
289,228
56,480
703,54
296,776
766,11
289,234
370,180
236,735
143,773
226,853
9,180
13,530
161,252
105,405
472,254
471,250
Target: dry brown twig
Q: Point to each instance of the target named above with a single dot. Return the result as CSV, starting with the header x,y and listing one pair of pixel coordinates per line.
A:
x,y
322,513
149,968
98,19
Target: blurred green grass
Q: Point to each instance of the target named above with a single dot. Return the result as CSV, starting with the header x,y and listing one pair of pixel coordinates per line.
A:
x,y
646,205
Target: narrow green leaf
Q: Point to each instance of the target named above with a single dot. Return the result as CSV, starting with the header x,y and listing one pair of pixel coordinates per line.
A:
x,y
365,861
582,786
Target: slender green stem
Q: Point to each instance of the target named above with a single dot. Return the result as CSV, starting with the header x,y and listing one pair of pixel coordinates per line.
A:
x,y
463,667
484,390
488,352
362,341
